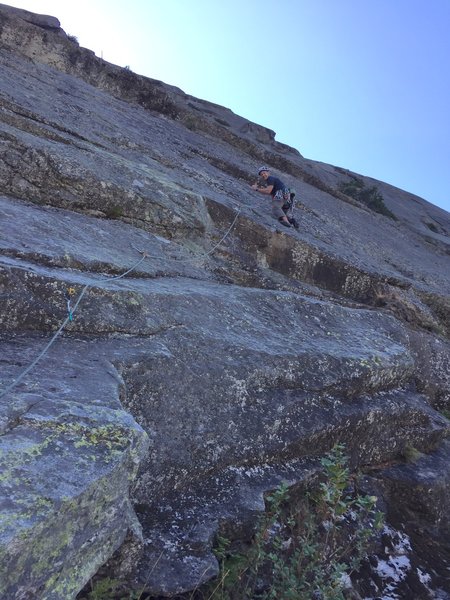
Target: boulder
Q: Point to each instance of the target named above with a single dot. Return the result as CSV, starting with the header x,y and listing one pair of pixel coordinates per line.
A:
x,y
69,453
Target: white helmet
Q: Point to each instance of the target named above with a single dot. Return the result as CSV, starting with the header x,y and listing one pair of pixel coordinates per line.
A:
x,y
263,168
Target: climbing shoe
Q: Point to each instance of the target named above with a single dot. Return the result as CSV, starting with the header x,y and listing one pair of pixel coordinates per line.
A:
x,y
285,223
294,222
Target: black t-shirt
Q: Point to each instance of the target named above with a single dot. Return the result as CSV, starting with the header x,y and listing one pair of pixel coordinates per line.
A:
x,y
277,185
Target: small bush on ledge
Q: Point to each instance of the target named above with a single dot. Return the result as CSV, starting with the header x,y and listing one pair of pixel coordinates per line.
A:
x,y
370,196
303,549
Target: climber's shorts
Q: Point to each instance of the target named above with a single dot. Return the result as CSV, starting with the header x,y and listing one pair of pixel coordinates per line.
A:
x,y
278,202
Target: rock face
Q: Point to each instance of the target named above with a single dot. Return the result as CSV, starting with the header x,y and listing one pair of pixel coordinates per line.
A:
x,y
206,355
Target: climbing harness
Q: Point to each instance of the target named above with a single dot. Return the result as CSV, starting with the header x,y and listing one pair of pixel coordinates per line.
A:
x,y
288,208
289,205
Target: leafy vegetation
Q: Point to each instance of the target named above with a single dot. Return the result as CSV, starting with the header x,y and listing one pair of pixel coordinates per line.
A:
x,y
433,227
370,196
445,412
411,454
191,122
114,212
110,589
304,549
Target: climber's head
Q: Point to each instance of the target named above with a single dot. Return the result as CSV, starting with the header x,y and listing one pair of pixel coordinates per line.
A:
x,y
264,172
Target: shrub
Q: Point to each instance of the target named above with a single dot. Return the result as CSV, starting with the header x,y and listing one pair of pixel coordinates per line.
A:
x,y
114,212
370,196
304,549
433,227
191,122
411,454
109,589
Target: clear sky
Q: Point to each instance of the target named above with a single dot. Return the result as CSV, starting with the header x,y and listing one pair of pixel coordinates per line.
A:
x,y
361,84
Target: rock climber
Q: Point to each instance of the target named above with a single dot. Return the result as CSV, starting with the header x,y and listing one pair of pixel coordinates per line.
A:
x,y
280,196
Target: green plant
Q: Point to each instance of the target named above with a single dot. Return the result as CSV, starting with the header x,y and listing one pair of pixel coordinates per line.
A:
x,y
109,589
191,122
114,212
411,454
370,196
304,548
433,227
103,589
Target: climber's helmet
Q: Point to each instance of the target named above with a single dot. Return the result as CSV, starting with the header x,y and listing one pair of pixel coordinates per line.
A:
x,y
263,168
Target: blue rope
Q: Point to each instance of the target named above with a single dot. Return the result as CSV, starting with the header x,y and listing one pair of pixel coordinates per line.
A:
x,y
66,320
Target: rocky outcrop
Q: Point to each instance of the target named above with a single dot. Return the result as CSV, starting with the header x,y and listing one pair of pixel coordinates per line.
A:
x,y
206,355
69,451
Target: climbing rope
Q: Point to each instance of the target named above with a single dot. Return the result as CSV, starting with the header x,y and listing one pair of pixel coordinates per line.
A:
x,y
71,310
69,318
222,239
225,236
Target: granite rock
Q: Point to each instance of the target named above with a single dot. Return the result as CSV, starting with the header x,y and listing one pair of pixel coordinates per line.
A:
x,y
195,354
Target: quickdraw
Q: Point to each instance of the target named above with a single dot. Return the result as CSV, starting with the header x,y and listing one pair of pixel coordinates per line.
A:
x,y
68,296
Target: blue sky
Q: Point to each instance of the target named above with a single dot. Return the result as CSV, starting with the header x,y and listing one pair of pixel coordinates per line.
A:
x,y
361,84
